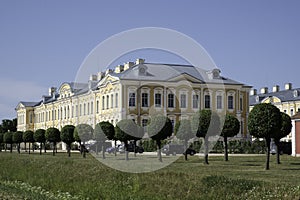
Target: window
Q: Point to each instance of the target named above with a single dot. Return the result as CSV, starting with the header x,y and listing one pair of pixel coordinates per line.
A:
x,y
219,102
111,100
30,118
88,108
92,107
103,102
292,112
183,100
116,104
230,102
97,106
207,101
61,113
131,99
107,102
171,100
80,110
68,112
157,100
84,109
195,101
76,112
298,109
241,103
144,99
284,111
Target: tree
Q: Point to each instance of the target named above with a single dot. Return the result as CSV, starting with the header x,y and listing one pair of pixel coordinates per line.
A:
x,y
28,137
231,128
205,124
53,135
9,125
84,133
160,128
17,139
263,122
125,131
184,132
102,132
67,136
1,140
286,127
39,136
7,138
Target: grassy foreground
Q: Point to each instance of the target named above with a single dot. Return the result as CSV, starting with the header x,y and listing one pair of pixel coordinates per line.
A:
x,y
59,177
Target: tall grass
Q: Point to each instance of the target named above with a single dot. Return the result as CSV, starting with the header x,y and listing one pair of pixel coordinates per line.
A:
x,y
76,177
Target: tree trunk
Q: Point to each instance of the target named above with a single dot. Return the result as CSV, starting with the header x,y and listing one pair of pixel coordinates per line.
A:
x,y
159,150
103,151
45,147
206,150
268,141
54,144
69,150
115,147
278,149
226,148
134,148
97,144
10,148
126,150
19,148
32,146
80,148
185,150
41,147
84,151
29,147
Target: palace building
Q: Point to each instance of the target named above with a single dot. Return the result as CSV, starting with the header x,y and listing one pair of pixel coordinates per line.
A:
x,y
137,90
287,100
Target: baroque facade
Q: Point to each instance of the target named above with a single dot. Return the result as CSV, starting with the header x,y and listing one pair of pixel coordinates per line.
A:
x,y
137,90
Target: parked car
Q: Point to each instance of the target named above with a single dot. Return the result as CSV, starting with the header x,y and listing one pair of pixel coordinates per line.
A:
x,y
174,149
138,149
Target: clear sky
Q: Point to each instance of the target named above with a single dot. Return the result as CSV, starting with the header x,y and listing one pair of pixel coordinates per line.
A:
x,y
43,43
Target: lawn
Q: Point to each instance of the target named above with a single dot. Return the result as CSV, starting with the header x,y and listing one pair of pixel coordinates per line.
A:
x,y
59,177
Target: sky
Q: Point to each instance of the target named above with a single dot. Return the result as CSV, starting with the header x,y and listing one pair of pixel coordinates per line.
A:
x,y
44,43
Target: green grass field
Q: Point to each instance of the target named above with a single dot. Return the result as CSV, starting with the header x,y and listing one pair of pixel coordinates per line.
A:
x,y
59,177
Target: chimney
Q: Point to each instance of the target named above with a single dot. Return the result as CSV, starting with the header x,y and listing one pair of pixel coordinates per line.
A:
x,y
264,90
276,88
108,71
128,65
253,92
93,77
119,68
288,86
139,61
100,75
52,92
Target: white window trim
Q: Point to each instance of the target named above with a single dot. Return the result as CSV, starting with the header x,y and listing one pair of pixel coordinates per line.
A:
x,y
207,92
171,91
183,92
132,90
147,91
220,93
196,92
158,91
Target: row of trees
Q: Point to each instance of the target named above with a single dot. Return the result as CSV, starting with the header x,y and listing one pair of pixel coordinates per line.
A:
x,y
265,121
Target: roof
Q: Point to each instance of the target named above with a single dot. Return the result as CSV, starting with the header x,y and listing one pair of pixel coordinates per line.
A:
x,y
283,95
166,72
29,104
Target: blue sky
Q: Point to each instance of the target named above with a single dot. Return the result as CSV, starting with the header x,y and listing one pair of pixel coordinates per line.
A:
x,y
43,43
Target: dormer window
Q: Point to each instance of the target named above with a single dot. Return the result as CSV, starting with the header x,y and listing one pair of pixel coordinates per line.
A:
x,y
295,93
214,74
257,99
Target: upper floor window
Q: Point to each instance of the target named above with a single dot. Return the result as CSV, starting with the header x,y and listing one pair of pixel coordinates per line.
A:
x,y
84,109
117,100
111,100
171,100
97,106
195,101
131,99
207,101
92,107
219,102
107,101
241,103
183,101
157,100
103,102
144,99
230,102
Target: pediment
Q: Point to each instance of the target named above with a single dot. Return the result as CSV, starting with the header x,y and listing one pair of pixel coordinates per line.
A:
x,y
108,79
271,99
185,77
